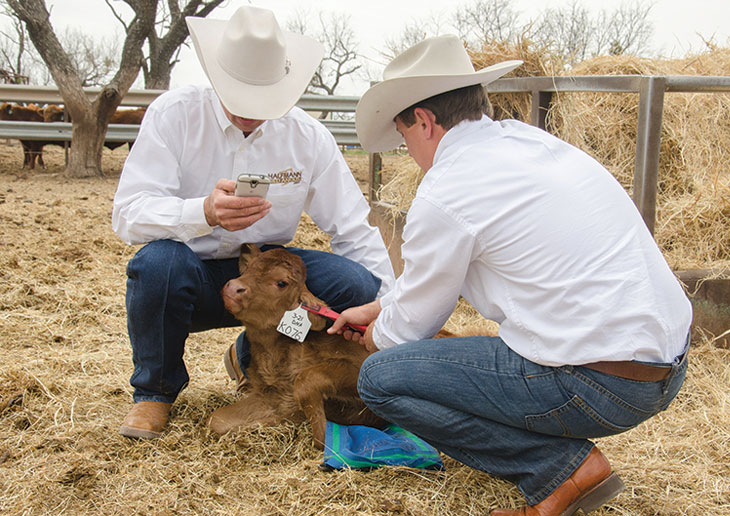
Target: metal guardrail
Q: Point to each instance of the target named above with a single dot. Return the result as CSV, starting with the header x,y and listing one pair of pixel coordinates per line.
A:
x,y
50,95
60,131
343,130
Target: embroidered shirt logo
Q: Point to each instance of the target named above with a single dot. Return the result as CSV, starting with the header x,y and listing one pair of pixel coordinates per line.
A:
x,y
288,175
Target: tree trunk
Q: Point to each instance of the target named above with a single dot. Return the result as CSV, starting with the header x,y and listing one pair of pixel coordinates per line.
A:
x,y
159,75
85,155
89,122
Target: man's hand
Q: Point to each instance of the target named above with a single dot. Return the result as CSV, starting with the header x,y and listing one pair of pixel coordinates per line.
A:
x,y
222,208
364,315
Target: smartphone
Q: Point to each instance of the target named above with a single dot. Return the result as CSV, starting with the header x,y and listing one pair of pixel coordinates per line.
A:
x,y
252,185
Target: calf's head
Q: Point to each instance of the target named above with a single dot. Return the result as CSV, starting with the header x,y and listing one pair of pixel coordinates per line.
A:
x,y
270,283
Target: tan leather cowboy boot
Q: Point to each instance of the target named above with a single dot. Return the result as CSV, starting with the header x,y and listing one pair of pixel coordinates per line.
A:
x,y
146,420
589,487
230,359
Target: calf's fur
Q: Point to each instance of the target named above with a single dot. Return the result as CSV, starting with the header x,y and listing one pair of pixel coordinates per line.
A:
x,y
315,380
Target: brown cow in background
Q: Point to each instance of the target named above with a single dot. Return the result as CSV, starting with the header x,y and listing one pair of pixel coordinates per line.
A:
x,y
126,116
54,113
32,149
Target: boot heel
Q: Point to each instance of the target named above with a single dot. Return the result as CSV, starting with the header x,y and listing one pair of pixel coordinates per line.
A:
x,y
599,495
228,362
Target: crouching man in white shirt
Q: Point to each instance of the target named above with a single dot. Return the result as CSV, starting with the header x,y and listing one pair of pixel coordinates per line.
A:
x,y
539,237
176,195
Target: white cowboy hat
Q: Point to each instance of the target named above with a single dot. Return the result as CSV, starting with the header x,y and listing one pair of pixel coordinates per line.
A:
x,y
433,66
257,70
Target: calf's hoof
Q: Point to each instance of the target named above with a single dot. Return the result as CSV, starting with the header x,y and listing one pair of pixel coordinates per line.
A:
x,y
227,418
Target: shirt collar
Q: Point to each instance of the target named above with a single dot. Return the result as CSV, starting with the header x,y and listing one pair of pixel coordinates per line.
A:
x,y
225,123
220,115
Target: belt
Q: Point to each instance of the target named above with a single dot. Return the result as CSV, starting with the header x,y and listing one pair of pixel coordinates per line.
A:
x,y
631,370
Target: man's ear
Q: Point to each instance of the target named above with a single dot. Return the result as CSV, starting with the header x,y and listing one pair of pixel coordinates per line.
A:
x,y
319,322
248,252
426,121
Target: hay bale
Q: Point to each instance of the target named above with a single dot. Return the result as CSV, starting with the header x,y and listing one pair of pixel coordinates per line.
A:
x,y
537,62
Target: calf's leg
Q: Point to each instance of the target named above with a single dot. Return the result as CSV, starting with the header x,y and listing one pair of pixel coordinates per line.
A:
x,y
334,378
247,411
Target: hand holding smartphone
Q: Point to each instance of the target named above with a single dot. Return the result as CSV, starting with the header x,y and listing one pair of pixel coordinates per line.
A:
x,y
252,185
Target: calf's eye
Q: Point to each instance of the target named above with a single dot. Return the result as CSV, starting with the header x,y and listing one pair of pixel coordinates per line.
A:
x,y
281,284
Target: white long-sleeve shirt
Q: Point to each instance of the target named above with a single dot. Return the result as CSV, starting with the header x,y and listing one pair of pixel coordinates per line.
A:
x,y
540,238
186,144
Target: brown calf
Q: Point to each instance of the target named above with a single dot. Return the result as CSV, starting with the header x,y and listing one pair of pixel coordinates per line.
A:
x,y
314,380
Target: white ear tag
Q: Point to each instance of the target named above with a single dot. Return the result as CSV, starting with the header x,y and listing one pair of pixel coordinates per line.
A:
x,y
295,324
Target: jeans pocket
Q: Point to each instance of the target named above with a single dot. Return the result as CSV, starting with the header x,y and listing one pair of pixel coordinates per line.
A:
x,y
575,418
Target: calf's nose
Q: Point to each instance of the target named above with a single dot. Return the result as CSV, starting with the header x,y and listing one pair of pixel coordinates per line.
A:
x,y
234,288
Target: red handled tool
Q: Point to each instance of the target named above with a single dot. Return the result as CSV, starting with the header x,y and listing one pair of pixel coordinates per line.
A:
x,y
331,314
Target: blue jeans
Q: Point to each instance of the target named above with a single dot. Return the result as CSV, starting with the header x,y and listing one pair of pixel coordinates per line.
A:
x,y
481,403
171,292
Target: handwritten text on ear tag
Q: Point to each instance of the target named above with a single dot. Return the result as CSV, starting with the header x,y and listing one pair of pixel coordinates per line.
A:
x,y
295,324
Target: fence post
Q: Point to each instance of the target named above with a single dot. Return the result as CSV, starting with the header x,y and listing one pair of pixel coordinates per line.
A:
x,y
648,140
540,103
375,164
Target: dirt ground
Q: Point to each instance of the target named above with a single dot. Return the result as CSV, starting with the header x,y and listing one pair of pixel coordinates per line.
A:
x,y
65,362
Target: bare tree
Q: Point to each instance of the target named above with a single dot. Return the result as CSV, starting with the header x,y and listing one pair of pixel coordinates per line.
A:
x,y
567,31
625,30
574,34
341,58
413,32
15,54
165,42
487,20
90,118
95,60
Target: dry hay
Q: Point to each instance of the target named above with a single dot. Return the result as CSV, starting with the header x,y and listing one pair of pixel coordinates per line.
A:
x,y
65,363
537,62
400,179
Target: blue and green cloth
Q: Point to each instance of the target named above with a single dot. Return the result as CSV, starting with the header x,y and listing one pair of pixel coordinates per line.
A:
x,y
363,447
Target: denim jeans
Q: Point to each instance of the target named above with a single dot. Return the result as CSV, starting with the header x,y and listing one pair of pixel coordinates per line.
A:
x,y
171,292
481,403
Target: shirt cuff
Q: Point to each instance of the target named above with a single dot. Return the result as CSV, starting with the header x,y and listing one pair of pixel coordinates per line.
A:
x,y
192,219
379,338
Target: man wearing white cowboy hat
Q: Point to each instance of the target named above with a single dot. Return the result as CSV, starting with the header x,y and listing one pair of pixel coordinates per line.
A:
x,y
539,237
176,195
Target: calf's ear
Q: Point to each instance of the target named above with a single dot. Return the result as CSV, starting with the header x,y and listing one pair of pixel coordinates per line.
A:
x,y
318,322
248,252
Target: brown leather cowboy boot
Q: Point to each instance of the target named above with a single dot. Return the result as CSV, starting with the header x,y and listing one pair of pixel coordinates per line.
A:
x,y
146,420
589,487
230,360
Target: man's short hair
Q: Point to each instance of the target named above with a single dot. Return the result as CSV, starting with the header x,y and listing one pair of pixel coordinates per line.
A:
x,y
452,107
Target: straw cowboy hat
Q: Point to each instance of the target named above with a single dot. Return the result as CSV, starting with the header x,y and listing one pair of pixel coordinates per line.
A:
x,y
257,70
433,66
